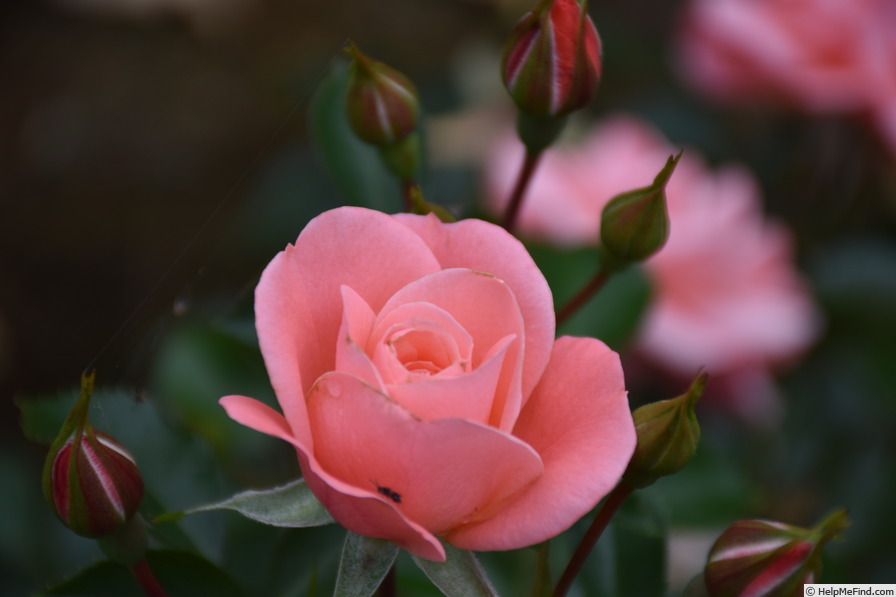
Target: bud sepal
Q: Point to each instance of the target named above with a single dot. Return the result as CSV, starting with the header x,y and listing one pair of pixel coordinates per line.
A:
x,y
768,558
635,225
668,435
90,480
381,103
552,59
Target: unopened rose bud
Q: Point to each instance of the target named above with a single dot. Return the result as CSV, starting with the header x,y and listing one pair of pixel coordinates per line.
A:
x,y
634,225
668,435
551,63
766,558
90,479
381,103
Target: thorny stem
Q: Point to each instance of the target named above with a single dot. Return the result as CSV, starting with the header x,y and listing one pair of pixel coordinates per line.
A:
x,y
583,296
530,161
604,515
143,574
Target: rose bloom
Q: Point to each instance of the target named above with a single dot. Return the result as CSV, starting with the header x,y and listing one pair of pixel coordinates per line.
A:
x,y
423,389
821,56
726,295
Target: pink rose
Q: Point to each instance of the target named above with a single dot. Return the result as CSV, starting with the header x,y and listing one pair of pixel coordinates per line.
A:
x,y
422,387
727,296
822,56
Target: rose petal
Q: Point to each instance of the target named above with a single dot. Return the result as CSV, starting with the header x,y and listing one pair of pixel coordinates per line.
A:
x,y
578,420
258,416
439,474
354,334
468,396
439,325
484,247
486,307
294,302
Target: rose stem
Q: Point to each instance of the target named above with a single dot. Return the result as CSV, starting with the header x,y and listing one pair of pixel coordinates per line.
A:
x,y
606,512
530,161
541,586
407,187
143,573
582,297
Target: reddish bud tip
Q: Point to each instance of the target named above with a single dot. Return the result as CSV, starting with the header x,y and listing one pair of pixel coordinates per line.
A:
x,y
90,479
381,103
764,558
552,59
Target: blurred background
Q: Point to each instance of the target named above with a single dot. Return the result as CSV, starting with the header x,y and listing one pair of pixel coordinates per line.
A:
x,y
155,154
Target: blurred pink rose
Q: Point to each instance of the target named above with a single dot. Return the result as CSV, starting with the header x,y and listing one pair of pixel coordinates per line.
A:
x,y
727,296
422,387
822,56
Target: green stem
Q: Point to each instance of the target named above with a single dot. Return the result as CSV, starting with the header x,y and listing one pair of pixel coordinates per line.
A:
x,y
143,574
604,515
407,189
583,296
541,585
530,161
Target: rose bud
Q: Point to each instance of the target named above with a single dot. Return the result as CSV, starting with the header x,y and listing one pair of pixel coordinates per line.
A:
x,y
635,224
551,63
668,434
763,557
90,479
381,103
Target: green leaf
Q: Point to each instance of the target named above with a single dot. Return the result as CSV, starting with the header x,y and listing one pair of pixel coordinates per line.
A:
x,y
365,562
291,505
180,573
460,575
355,167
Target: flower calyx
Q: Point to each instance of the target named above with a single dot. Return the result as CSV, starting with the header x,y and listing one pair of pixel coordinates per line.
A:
x,y
668,435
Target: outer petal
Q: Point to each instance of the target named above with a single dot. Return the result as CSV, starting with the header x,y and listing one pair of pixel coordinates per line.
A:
x,y
438,474
371,517
484,247
579,422
296,302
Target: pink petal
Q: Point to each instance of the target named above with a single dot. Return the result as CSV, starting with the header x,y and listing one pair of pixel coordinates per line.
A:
x,y
354,334
484,247
258,416
578,420
438,474
467,396
486,307
296,301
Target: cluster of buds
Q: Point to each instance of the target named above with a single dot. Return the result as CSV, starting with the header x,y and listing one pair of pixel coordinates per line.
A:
x,y
767,558
90,480
383,110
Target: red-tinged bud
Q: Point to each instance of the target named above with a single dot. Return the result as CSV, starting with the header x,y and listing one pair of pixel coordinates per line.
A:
x,y
634,225
552,59
90,479
381,103
764,558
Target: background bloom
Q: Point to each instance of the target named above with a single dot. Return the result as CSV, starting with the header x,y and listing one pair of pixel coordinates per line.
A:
x,y
820,56
727,296
421,384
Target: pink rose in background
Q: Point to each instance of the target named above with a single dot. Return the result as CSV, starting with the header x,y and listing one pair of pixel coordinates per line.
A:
x,y
821,56
727,296
421,384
